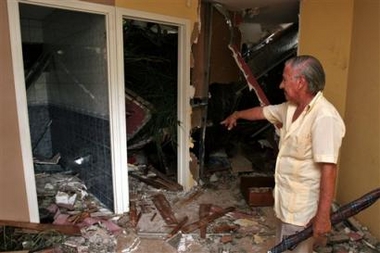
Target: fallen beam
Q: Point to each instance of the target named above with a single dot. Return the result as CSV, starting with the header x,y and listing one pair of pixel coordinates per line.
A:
x,y
240,62
133,215
206,220
251,80
159,181
164,208
170,184
178,227
204,211
148,181
64,229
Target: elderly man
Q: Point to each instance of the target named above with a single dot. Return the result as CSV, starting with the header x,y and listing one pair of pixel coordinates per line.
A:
x,y
311,132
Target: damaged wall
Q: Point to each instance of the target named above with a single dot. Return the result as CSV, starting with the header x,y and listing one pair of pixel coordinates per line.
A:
x,y
14,205
212,52
223,68
344,35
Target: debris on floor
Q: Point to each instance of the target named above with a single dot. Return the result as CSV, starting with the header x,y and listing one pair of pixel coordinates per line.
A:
x,y
212,217
153,177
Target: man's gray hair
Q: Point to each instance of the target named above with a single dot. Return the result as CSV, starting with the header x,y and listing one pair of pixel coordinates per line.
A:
x,y
311,69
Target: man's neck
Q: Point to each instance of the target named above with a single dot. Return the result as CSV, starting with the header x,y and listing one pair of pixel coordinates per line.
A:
x,y
305,100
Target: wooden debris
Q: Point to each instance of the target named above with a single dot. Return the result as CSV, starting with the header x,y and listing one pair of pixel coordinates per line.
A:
x,y
204,211
178,227
225,228
133,216
147,180
64,229
21,251
170,184
204,221
154,216
240,215
163,207
159,181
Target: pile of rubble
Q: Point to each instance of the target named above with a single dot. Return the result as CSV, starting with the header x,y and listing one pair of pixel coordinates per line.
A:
x,y
350,236
213,217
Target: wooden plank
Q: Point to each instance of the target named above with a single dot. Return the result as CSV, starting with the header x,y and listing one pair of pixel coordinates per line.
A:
x,y
178,227
204,211
164,208
64,229
206,220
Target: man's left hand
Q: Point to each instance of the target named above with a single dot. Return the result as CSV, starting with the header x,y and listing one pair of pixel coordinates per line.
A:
x,y
321,229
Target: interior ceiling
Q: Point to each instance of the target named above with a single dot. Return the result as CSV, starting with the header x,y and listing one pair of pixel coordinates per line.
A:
x,y
263,11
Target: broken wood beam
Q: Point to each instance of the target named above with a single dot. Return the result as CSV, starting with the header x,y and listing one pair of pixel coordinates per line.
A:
x,y
204,211
154,216
251,80
206,220
178,227
174,186
170,186
159,181
133,216
164,208
148,181
64,229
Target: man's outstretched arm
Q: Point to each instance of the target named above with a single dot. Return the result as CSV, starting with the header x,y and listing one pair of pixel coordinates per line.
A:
x,y
255,113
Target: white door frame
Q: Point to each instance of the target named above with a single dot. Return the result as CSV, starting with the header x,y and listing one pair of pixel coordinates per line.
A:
x,y
114,22
184,93
116,101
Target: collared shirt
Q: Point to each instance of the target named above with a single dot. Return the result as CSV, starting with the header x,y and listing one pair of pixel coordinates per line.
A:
x,y
314,137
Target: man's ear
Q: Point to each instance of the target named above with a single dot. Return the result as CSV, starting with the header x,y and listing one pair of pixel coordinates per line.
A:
x,y
301,82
